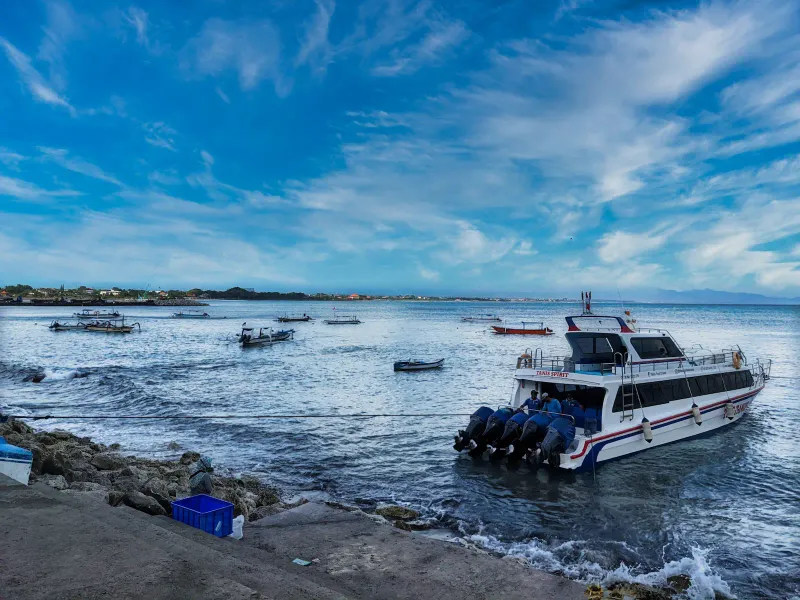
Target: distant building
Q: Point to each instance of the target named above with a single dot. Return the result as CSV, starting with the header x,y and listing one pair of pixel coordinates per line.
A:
x,y
353,297
110,292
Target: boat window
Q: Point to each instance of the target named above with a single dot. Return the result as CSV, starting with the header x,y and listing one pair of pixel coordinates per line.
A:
x,y
662,392
655,347
594,348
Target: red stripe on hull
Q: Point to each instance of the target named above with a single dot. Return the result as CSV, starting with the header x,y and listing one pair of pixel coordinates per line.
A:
x,y
683,414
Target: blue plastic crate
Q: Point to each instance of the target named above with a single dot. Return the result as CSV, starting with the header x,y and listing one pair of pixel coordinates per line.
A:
x,y
204,512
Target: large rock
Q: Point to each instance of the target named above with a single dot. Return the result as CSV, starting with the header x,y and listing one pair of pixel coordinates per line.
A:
x,y
157,489
115,497
268,496
55,464
189,457
393,512
64,436
108,462
144,503
680,582
54,481
640,591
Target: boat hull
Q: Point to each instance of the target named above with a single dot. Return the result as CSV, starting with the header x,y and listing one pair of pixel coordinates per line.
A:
x,y
293,320
605,447
342,322
404,366
513,331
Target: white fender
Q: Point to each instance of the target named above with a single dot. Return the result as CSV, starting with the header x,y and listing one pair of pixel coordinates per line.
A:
x,y
698,418
647,431
730,410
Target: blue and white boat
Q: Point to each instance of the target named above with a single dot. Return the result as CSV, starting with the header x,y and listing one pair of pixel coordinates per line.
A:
x,y
15,462
622,390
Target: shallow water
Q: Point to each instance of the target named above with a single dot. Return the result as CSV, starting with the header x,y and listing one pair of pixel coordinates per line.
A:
x,y
724,509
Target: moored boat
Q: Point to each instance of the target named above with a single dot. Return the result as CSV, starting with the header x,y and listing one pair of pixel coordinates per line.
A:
x,y
96,314
621,391
526,329
294,319
59,326
342,320
265,335
418,365
111,326
482,319
192,314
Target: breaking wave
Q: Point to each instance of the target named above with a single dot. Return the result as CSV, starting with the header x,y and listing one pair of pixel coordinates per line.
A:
x,y
573,559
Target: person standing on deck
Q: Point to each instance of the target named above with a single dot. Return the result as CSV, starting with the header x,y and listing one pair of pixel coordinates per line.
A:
x,y
550,405
531,404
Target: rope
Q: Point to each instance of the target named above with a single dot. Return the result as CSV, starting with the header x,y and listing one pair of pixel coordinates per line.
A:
x,y
197,417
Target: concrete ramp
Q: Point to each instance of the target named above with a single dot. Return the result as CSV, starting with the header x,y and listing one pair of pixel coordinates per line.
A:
x,y
59,545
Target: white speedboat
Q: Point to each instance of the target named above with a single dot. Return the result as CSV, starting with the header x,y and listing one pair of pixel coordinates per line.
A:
x,y
621,391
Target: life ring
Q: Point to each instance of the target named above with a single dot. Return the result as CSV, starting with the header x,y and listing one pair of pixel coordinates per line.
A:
x,y
737,361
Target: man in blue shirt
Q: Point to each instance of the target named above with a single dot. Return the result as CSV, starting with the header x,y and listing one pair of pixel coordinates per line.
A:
x,y
532,404
550,405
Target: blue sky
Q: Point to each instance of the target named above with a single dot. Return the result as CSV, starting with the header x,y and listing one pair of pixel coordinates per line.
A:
x,y
401,145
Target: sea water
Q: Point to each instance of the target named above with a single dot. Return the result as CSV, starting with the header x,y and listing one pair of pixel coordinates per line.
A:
x,y
723,509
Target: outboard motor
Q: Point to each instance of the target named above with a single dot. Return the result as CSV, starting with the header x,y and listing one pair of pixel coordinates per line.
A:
x,y
559,436
477,424
511,433
495,426
533,433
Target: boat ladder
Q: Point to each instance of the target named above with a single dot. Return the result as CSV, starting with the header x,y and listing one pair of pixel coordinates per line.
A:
x,y
627,390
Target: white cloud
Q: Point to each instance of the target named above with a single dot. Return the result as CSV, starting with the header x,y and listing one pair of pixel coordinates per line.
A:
x,y
730,249
222,95
622,246
437,43
23,190
472,246
160,135
251,48
429,274
525,248
11,159
315,48
208,160
61,27
169,177
137,18
38,87
77,165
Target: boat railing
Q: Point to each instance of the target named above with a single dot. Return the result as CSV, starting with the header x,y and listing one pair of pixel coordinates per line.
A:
x,y
566,364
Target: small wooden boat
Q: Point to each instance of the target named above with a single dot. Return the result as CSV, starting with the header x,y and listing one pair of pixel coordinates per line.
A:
x,y
526,329
194,314
418,365
57,326
96,314
482,319
294,319
342,320
112,326
265,335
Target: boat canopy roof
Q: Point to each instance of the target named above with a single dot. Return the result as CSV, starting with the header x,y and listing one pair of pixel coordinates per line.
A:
x,y
604,323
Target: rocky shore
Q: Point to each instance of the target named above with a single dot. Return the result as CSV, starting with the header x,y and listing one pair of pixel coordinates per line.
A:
x,y
78,466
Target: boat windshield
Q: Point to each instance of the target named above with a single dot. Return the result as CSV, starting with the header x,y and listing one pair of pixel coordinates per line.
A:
x,y
594,347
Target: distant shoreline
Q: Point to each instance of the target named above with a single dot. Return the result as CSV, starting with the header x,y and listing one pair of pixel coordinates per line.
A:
x,y
85,303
